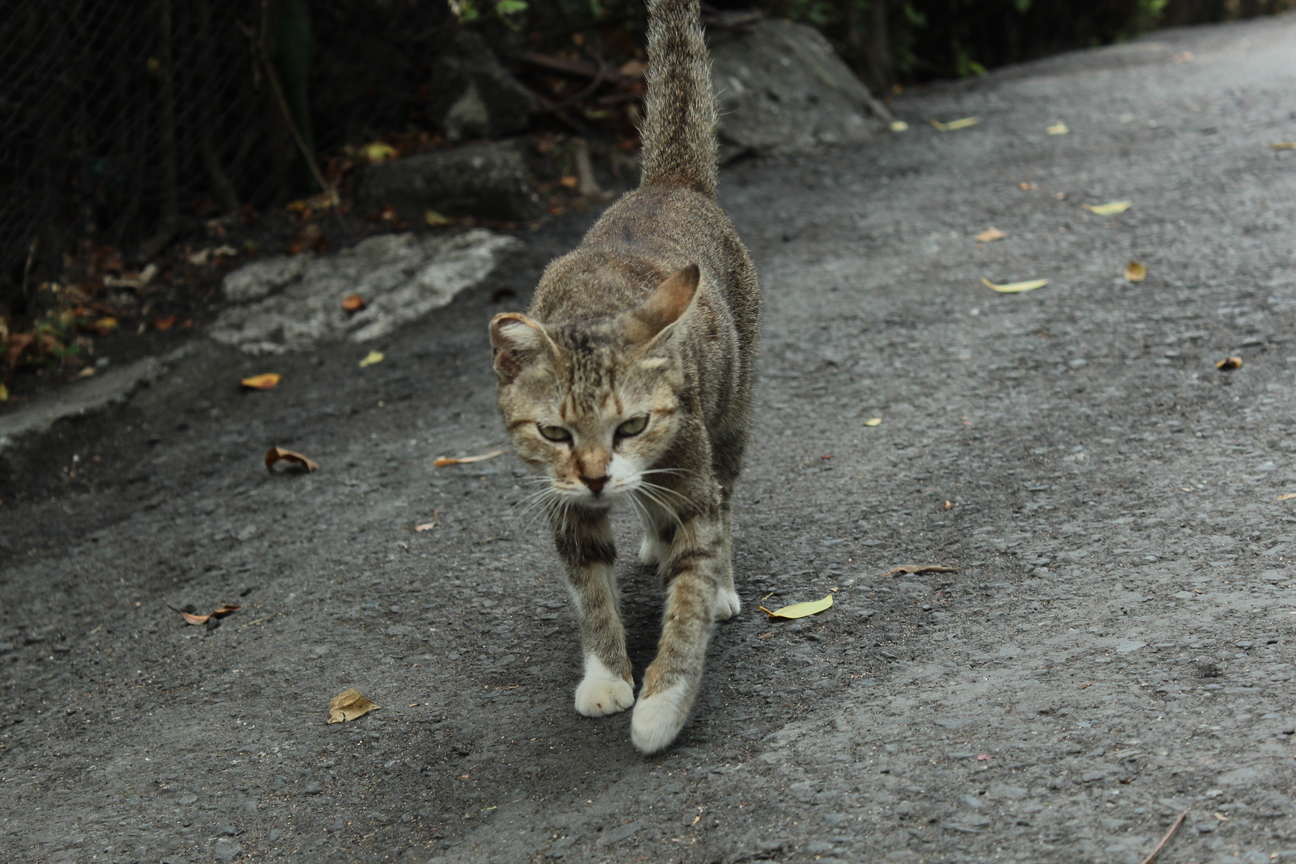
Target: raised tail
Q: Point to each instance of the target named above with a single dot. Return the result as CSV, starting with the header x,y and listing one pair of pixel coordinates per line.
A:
x,y
679,131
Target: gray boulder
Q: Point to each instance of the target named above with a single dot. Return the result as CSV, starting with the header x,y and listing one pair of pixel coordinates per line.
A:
x,y
489,181
284,303
782,89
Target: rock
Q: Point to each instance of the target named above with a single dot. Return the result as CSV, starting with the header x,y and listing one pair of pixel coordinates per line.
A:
x,y
477,98
781,89
488,181
400,276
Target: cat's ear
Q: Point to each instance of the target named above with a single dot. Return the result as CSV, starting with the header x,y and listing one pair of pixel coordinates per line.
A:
x,y
665,305
517,342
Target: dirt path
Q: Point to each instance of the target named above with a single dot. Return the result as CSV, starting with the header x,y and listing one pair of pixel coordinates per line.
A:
x,y
1116,647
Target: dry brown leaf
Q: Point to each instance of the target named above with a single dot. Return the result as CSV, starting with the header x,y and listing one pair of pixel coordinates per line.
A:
x,y
426,526
1283,145
353,303
349,706
1027,187
955,125
918,568
1229,363
225,609
262,382
1135,272
1287,497
990,235
443,461
279,454
570,181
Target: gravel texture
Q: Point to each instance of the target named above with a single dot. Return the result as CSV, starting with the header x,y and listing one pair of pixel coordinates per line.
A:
x,y
1115,648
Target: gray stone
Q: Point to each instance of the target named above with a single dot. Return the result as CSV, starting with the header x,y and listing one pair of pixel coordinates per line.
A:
x,y
476,96
781,89
400,276
489,181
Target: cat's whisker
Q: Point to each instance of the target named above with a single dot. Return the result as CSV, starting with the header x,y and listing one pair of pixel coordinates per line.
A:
x,y
646,491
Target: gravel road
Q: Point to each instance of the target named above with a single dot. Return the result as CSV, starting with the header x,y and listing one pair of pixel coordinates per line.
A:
x,y
1115,648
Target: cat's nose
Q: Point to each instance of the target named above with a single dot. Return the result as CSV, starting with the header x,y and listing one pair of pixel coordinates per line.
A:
x,y
595,484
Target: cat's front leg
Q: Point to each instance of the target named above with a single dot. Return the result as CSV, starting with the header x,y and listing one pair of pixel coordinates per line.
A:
x,y
584,540
694,572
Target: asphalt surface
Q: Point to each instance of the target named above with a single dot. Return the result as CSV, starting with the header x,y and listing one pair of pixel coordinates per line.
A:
x,y
1116,647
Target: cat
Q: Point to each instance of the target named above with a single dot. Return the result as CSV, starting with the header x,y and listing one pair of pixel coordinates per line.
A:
x,y
630,378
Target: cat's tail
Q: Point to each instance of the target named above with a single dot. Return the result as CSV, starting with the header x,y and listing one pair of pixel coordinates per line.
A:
x,y
679,130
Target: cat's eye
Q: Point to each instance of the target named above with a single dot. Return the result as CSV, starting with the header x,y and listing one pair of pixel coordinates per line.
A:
x,y
633,426
555,433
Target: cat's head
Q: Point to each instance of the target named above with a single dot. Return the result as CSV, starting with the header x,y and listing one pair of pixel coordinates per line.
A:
x,y
594,405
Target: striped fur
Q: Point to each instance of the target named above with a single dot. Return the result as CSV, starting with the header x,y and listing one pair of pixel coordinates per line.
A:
x,y
629,380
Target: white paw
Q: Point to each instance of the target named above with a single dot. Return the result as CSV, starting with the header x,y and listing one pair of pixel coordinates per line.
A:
x,y
727,604
602,691
651,551
658,718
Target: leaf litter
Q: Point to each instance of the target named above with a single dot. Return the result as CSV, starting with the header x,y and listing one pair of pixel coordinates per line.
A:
x,y
442,461
262,382
1015,287
1109,209
349,705
912,569
800,610
190,613
955,125
990,235
278,454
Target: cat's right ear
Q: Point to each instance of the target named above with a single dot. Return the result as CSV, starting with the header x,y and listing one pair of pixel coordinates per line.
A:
x,y
517,342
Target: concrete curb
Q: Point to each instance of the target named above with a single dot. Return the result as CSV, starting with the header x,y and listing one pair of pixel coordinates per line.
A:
x,y
29,436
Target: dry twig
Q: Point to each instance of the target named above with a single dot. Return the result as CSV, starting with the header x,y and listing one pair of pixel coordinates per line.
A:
x,y
1166,839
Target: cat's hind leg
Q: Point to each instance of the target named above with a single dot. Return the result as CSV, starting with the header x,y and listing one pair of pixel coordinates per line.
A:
x,y
584,541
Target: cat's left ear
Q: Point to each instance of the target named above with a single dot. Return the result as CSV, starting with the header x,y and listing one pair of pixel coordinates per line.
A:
x,y
665,305
516,341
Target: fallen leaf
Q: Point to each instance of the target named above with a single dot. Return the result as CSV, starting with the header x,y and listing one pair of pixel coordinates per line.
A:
x,y
434,218
205,255
1058,129
371,358
104,326
443,461
426,526
873,421
262,382
353,303
1135,272
377,152
569,181
4,393
225,609
309,235
1283,145
899,126
1109,209
163,323
87,372
800,610
1027,187
1287,497
349,706
1220,816
956,124
1229,363
132,280
949,505
918,568
990,235
278,454
1015,287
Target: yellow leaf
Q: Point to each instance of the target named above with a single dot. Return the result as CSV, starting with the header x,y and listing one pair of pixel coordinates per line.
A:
x,y
262,382
873,421
1015,287
570,181
105,325
432,217
956,124
990,235
1108,209
371,358
4,393
1135,272
800,610
1058,129
1284,145
377,152
899,126
349,706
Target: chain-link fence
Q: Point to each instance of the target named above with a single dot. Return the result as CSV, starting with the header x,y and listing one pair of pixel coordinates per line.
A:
x,y
124,123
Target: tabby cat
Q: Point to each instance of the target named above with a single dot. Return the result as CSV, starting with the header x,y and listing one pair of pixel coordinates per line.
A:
x,y
629,379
